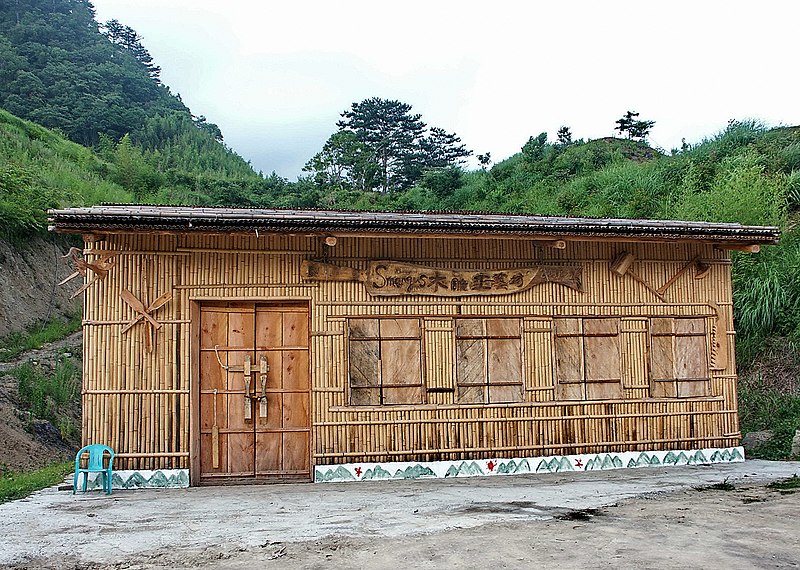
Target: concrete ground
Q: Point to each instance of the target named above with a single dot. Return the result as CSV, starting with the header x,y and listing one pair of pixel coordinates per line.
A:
x,y
644,518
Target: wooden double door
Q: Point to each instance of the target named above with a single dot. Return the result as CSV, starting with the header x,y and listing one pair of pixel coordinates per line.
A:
x,y
254,393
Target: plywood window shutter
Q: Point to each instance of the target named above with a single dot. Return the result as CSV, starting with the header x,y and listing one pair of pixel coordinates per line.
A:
x,y
488,360
385,362
587,358
568,347
679,366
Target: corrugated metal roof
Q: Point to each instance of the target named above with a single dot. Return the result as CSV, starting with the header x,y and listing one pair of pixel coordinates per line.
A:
x,y
136,218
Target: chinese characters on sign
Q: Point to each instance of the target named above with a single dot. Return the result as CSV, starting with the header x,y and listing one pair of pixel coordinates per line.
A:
x,y
392,278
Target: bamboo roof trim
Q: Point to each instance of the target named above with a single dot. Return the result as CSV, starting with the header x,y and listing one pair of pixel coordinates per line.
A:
x,y
137,218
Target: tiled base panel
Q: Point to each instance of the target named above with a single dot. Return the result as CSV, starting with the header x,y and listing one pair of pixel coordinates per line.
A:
x,y
175,478
160,479
549,464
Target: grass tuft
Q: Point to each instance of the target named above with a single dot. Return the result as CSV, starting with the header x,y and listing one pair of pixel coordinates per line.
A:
x,y
37,336
19,485
48,396
786,486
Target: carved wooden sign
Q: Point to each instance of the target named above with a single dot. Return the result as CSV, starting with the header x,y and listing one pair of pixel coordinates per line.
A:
x,y
392,278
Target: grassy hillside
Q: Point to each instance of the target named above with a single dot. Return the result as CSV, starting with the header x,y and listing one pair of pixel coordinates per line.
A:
x,y
97,85
40,169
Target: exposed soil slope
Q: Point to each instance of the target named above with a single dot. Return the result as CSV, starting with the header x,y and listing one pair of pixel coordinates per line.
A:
x,y
29,443
29,274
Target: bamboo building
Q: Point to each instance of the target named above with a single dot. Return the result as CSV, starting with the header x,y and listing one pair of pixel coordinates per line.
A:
x,y
252,345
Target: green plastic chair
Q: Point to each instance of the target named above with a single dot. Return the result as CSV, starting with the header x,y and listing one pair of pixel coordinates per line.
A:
x,y
96,455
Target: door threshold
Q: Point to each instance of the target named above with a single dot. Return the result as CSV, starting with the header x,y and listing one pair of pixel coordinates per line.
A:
x,y
210,482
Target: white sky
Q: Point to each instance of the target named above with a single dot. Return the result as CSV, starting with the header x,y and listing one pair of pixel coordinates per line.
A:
x,y
276,75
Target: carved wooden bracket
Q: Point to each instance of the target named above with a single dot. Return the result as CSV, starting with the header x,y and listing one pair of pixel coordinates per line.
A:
x,y
100,267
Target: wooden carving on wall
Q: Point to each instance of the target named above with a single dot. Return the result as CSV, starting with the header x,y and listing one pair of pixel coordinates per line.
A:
x,y
392,278
622,265
144,313
105,261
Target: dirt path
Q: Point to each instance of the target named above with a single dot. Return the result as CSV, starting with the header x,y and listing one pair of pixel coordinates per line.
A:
x,y
628,518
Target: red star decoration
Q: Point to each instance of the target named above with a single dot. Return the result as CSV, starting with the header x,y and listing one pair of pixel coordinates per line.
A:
x,y
358,471
578,463
491,465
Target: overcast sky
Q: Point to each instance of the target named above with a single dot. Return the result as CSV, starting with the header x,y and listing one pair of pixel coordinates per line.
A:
x,y
276,75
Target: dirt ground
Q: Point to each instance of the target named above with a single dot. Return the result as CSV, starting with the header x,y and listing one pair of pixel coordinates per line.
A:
x,y
751,527
629,518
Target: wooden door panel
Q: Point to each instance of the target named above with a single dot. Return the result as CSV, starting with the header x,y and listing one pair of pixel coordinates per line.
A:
x,y
295,328
296,452
295,370
269,329
214,376
282,440
296,410
207,412
213,329
268,452
240,329
257,446
207,451
240,454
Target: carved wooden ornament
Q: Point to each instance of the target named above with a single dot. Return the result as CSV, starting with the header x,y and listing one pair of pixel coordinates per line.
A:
x,y
144,313
392,278
100,268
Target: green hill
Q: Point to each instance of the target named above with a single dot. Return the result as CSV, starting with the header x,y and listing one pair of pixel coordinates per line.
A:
x,y
40,169
98,86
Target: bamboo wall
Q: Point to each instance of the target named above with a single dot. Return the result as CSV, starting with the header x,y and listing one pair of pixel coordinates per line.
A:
x,y
139,402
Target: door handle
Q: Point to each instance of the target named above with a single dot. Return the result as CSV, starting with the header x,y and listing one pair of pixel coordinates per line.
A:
x,y
262,410
248,377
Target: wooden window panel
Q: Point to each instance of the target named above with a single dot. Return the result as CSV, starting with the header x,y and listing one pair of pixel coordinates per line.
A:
x,y
363,328
662,358
400,328
470,371
691,360
365,372
500,328
602,359
401,371
692,372
568,347
678,358
587,359
488,360
601,327
470,328
385,362
505,369
603,375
